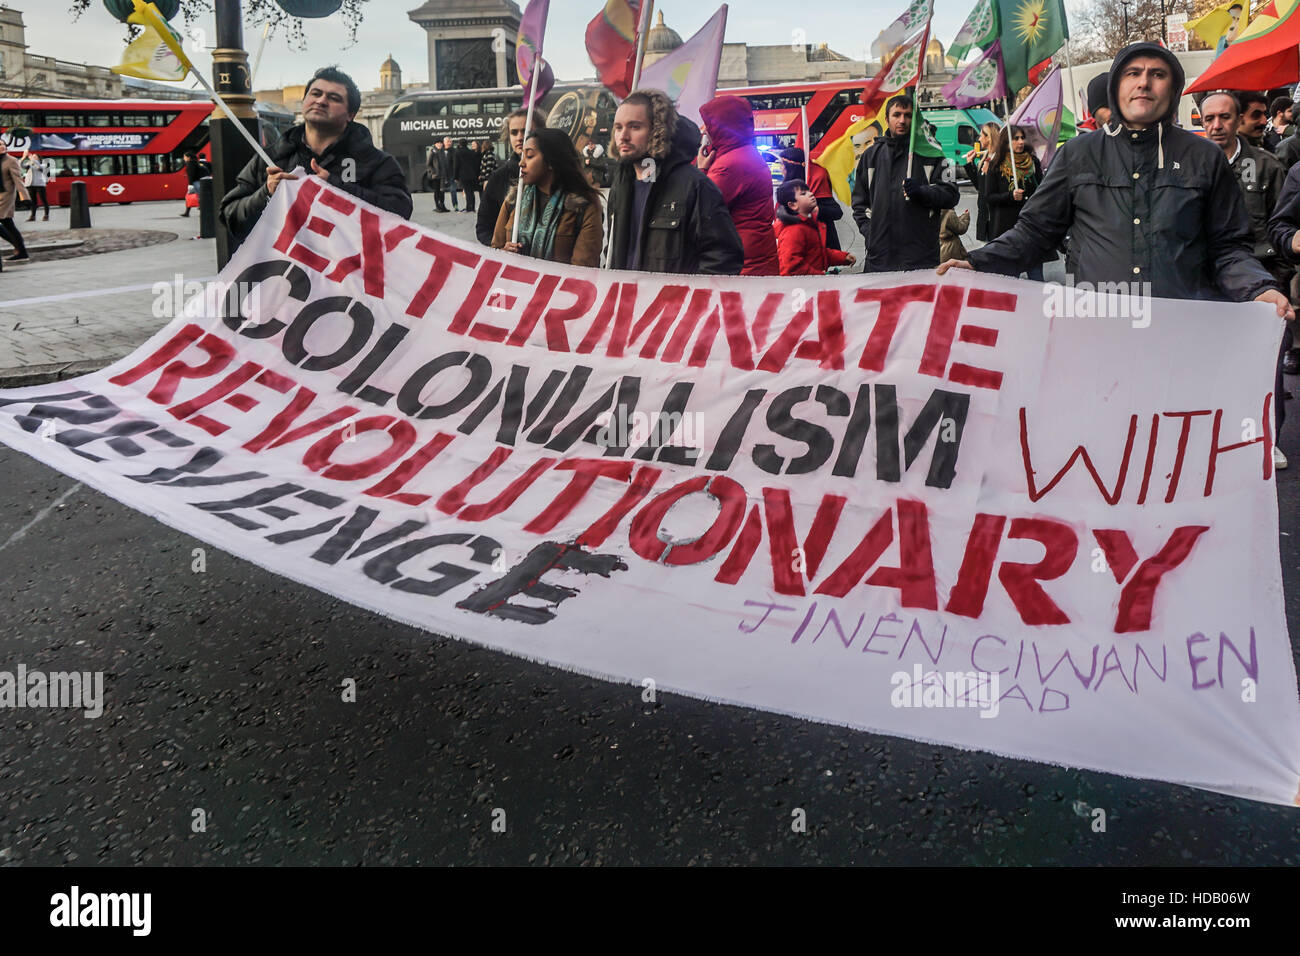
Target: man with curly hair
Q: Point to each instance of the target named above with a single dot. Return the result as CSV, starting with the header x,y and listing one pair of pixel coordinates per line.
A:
x,y
663,214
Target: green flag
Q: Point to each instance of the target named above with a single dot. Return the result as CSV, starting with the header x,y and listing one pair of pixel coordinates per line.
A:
x,y
1032,30
979,30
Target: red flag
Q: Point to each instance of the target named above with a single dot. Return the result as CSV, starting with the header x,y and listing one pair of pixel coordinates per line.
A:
x,y
611,44
901,70
1262,57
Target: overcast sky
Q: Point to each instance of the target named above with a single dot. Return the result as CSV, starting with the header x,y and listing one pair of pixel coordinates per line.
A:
x,y
848,26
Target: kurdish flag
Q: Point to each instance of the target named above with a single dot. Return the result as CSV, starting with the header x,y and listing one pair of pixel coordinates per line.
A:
x,y
1224,22
1041,115
1031,31
1263,55
528,52
689,74
611,44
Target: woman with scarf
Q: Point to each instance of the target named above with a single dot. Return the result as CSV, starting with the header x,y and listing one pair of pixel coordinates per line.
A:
x,y
1012,176
560,213
977,166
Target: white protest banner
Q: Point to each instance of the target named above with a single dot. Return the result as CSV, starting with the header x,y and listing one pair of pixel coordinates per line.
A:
x,y
1029,520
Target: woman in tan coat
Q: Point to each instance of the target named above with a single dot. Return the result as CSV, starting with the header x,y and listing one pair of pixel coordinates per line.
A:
x,y
11,187
561,211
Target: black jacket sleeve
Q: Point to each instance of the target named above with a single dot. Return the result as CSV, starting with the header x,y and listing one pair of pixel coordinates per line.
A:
x,y
717,242
386,189
861,198
1285,221
243,205
1231,241
939,193
1042,225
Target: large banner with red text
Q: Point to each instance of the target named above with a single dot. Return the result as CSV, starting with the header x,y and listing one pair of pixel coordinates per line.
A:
x,y
1033,520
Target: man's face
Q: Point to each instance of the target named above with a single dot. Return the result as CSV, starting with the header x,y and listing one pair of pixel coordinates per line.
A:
x,y
1253,119
632,131
1221,119
1145,90
446,143
325,104
900,119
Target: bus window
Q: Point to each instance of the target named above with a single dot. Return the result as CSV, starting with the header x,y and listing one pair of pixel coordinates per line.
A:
x,y
103,119
431,108
62,119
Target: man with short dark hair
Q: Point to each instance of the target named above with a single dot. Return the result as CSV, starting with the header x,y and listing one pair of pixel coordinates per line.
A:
x,y
1279,122
1254,116
328,144
447,171
467,165
898,210
1145,203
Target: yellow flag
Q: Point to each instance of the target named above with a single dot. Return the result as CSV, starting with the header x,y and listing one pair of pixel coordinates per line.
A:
x,y
158,53
840,158
1214,25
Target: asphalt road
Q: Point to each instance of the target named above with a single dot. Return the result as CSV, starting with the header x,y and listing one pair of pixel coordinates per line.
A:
x,y
223,695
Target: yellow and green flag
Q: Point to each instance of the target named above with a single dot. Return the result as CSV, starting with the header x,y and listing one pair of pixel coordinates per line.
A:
x,y
1216,24
158,53
1032,30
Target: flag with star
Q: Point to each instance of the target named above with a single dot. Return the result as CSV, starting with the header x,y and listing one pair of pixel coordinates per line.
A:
x,y
1031,31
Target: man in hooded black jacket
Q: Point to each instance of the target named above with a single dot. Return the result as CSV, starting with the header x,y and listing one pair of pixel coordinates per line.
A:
x,y
898,210
1142,201
327,144
663,214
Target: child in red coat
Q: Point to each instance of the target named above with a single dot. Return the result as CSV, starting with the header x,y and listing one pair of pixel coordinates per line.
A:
x,y
800,237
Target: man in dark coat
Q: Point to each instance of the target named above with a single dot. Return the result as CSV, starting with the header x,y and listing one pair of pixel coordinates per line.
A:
x,y
1141,200
447,172
898,211
435,176
466,166
663,214
327,144
1260,177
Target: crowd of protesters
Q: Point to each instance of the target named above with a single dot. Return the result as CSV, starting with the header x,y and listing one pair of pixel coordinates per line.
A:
x,y
1134,199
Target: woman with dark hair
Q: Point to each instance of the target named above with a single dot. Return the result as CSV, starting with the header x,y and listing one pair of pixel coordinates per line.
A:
x,y
559,211
1012,175
505,175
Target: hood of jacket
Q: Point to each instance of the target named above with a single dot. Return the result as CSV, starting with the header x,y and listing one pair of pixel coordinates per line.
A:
x,y
787,218
729,121
1145,48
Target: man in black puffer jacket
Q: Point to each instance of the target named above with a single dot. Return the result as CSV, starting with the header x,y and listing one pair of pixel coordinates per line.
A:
x,y
1141,200
898,211
327,144
664,215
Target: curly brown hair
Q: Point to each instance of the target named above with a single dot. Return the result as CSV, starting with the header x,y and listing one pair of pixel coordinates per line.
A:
x,y
663,120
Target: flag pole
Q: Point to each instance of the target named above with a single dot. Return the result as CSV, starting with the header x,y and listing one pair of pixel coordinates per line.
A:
x,y
261,47
803,129
1069,76
237,123
528,129
647,9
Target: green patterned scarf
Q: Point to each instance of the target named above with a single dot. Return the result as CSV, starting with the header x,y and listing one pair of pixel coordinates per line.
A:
x,y
537,228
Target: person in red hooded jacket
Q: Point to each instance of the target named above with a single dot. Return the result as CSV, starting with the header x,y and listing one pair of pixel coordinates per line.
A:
x,y
800,236
731,161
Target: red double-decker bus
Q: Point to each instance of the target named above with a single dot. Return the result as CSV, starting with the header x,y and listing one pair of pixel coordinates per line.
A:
x,y
124,150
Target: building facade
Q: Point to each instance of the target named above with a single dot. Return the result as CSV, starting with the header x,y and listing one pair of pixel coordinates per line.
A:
x,y
27,75
471,42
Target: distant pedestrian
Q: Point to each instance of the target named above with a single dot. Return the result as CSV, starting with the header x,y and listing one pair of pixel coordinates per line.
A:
x,y
559,210
447,171
731,161
11,188
36,173
1279,122
434,163
466,171
193,173
801,235
487,165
